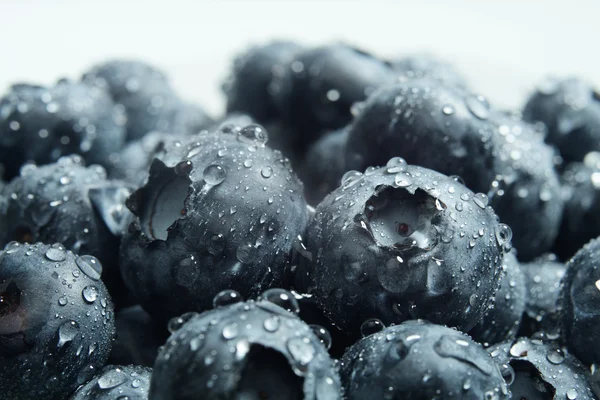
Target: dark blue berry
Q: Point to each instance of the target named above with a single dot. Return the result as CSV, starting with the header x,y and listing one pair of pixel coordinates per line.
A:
x,y
579,303
221,211
56,321
403,242
502,321
244,350
421,361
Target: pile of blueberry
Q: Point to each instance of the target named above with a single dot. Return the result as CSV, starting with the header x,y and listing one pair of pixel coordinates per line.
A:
x,y
351,228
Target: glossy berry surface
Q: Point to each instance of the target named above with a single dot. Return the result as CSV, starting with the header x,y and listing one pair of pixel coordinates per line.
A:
x,y
117,383
222,211
535,370
56,321
502,321
579,303
404,242
253,349
419,360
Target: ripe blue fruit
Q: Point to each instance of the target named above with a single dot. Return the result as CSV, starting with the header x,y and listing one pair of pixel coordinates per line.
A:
x,y
56,321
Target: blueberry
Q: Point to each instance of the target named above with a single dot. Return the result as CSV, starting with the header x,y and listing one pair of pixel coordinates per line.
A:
x,y
253,349
41,125
56,321
581,217
248,88
419,360
222,211
147,97
535,369
403,242
324,165
68,203
570,110
502,321
543,277
455,132
138,337
117,382
579,303
318,87
418,66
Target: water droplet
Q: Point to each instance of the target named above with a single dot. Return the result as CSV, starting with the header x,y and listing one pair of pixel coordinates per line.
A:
x,y
402,180
371,326
253,133
90,266
245,253
448,109
12,247
519,349
112,379
504,236
248,163
90,294
226,298
266,172
67,332
176,323
598,284
323,335
333,95
572,394
478,106
56,253
214,174
350,178
62,301
231,331
271,324
555,356
481,200
282,298
461,350
396,165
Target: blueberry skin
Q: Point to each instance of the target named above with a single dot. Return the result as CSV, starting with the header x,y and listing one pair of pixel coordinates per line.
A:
x,y
138,337
318,87
543,279
372,269
455,132
324,166
66,202
42,124
117,382
144,92
570,109
248,88
581,216
56,321
579,303
419,66
220,212
535,369
246,348
420,360
502,322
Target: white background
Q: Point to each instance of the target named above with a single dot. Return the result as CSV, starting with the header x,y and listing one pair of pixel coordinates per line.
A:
x,y
503,47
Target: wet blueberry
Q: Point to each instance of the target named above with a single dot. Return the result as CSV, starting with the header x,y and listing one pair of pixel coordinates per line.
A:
x,y
244,350
222,211
419,360
402,242
56,321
